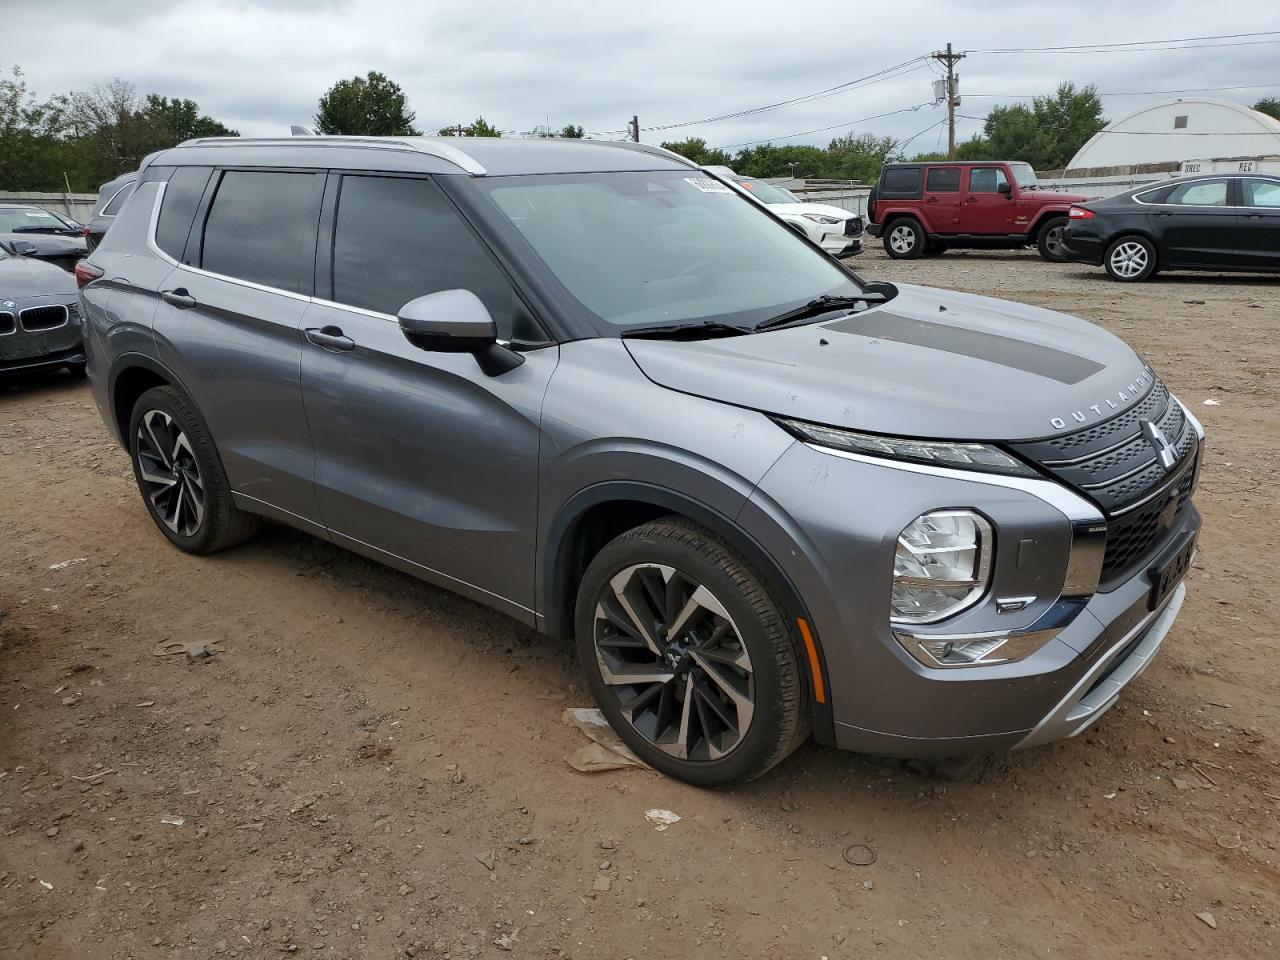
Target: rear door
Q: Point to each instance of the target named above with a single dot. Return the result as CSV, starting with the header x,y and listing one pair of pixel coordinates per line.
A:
x,y
942,198
1259,217
985,210
422,460
1195,224
228,324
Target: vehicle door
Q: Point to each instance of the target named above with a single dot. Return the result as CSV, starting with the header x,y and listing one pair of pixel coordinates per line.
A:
x,y
1194,224
942,199
228,325
422,459
1259,218
989,202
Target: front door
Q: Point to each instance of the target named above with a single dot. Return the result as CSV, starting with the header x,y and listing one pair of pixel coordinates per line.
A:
x,y
1195,224
985,210
422,459
942,199
228,323
1259,218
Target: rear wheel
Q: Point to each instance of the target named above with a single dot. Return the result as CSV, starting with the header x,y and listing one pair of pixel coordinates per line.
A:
x,y
689,656
180,475
904,240
1049,240
1130,259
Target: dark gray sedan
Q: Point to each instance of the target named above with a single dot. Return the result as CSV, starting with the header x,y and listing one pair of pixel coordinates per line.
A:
x,y
39,318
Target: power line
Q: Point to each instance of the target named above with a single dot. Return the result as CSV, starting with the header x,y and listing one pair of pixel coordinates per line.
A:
x,y
1099,47
1162,133
1190,46
903,144
1127,93
847,123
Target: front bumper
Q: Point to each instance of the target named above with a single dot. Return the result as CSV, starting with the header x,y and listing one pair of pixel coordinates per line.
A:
x,y
26,345
884,701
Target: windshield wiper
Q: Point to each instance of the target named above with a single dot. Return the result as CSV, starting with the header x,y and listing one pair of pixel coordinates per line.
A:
x,y
818,306
687,331
29,229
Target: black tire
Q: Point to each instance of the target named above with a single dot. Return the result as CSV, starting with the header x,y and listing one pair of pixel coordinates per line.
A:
x,y
196,471
904,239
1130,259
757,625
1049,240
77,370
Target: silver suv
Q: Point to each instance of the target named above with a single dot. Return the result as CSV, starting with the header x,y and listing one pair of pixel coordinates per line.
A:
x,y
593,387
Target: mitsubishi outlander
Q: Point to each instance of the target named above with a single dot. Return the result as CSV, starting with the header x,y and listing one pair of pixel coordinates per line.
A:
x,y
767,498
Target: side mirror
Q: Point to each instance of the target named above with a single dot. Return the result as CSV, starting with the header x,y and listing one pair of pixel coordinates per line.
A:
x,y
455,321
25,248
1005,187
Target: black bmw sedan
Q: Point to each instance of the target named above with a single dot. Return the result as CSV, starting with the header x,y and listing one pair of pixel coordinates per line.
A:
x,y
1224,222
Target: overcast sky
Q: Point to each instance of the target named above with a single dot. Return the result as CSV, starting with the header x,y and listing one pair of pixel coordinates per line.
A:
x,y
260,65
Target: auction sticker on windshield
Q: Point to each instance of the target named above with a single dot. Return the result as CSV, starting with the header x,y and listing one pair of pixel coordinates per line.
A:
x,y
707,185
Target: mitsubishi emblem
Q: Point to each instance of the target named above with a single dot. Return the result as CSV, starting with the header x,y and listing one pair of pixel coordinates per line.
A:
x,y
1164,449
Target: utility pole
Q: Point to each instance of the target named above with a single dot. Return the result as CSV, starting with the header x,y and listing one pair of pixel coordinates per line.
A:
x,y
953,98
633,129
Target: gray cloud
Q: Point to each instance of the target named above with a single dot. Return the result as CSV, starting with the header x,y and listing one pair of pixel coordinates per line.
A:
x,y
260,65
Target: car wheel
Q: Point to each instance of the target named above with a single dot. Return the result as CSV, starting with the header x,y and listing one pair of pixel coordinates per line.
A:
x,y
1049,240
180,475
1130,259
689,656
904,240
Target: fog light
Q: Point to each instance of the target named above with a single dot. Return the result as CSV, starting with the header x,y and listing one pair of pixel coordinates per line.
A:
x,y
942,566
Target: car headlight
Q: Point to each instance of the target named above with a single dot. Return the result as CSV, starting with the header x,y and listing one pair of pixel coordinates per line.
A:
x,y
820,218
942,565
940,453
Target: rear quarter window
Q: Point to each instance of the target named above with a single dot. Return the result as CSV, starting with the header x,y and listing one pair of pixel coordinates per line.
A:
x,y
901,182
181,197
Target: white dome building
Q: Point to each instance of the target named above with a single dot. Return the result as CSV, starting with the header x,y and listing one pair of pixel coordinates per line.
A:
x,y
1191,128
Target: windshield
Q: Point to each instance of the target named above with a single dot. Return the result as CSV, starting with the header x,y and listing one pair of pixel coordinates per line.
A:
x,y
15,219
768,192
1023,175
652,248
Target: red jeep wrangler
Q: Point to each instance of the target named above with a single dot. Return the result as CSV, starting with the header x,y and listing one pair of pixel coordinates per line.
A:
x,y
923,208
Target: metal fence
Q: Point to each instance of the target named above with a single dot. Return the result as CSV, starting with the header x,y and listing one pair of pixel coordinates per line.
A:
x,y
77,206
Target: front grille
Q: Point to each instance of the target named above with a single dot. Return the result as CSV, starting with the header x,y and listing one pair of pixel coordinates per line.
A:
x,y
7,323
1117,466
853,227
44,318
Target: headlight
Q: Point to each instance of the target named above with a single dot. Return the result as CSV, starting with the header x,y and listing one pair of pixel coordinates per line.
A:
x,y
942,565
820,218
964,456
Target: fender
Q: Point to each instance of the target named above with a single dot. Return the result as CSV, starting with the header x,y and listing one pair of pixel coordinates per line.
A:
x,y
886,216
131,361
1047,213
556,566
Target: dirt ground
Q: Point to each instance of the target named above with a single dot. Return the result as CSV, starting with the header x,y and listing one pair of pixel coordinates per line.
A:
x,y
372,767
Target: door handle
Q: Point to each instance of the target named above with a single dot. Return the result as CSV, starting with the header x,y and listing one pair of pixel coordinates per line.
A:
x,y
1163,213
930,199
330,338
1254,216
178,298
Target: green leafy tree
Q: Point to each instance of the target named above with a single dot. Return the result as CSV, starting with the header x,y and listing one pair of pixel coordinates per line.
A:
x,y
32,151
793,160
370,106
858,157
696,149
480,127
180,120
1269,105
572,132
1046,135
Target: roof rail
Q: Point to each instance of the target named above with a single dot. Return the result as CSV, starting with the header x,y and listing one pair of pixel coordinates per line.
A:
x,y
434,148
648,148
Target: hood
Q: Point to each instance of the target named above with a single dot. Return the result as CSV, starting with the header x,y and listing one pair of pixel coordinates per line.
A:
x,y
50,244
800,209
24,277
929,364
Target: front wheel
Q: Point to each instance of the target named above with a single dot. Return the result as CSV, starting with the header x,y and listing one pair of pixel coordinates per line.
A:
x,y
1130,259
689,656
904,240
1049,240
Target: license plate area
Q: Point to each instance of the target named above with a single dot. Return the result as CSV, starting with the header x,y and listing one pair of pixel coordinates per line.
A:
x,y
1166,576
24,346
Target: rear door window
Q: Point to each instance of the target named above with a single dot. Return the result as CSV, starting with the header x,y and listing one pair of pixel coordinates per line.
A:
x,y
943,180
986,179
397,239
261,227
1261,193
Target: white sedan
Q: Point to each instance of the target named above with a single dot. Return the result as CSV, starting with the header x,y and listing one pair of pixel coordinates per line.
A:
x,y
834,229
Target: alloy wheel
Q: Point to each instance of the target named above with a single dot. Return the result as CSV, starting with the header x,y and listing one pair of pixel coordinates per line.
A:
x,y
1053,241
169,473
902,239
674,662
1129,259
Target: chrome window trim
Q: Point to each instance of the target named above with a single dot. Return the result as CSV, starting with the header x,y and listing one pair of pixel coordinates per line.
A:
x,y
1137,197
1088,525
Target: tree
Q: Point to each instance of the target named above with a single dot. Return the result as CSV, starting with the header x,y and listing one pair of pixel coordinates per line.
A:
x,y
181,120
572,132
858,158
1269,105
1046,135
480,127
696,149
370,106
31,151
792,160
